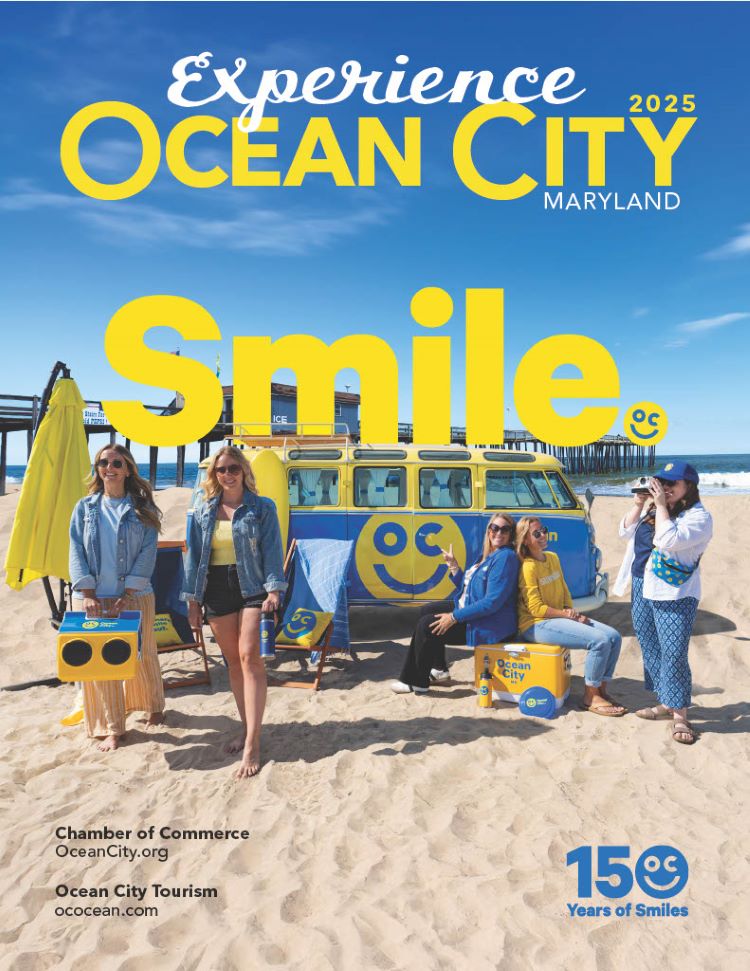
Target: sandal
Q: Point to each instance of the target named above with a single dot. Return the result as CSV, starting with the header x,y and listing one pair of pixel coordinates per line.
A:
x,y
652,715
617,704
600,709
682,727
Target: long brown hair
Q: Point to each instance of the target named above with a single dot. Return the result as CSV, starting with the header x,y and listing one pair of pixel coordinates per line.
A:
x,y
211,485
523,528
509,521
136,487
691,497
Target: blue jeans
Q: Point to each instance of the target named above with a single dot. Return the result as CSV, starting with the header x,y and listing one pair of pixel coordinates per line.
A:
x,y
602,644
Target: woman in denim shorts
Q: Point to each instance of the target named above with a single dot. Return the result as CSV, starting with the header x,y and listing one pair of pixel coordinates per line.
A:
x,y
234,568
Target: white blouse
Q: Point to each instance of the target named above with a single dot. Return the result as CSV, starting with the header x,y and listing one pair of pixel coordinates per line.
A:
x,y
683,539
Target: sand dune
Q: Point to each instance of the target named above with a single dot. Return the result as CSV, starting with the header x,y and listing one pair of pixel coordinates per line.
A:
x,y
385,831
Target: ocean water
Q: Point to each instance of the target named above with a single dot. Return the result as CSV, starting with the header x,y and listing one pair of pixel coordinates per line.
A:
x,y
166,474
719,475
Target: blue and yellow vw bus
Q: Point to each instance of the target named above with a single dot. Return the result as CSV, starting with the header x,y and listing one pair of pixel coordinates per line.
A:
x,y
402,503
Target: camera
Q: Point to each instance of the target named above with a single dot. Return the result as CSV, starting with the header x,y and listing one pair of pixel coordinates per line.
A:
x,y
641,486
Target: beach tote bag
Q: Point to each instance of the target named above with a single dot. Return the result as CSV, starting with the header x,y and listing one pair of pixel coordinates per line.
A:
x,y
669,570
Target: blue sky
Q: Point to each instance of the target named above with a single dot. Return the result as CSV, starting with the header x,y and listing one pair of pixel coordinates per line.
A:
x,y
666,292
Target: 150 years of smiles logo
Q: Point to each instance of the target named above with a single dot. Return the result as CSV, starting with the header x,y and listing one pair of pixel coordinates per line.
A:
x,y
660,871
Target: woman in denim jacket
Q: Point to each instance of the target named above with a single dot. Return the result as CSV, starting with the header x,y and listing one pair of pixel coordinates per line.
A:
x,y
482,611
234,569
113,532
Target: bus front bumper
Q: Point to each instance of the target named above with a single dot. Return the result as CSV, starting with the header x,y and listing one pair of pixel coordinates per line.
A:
x,y
595,600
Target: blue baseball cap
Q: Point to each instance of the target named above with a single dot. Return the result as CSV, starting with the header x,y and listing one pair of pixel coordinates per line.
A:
x,y
673,471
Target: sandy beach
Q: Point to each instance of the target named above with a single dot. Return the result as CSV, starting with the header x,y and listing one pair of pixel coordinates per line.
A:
x,y
384,831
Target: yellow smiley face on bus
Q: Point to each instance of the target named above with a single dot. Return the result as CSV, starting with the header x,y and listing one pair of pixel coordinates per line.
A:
x,y
399,558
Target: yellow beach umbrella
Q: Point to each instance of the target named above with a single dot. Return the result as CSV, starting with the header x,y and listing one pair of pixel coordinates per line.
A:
x,y
54,481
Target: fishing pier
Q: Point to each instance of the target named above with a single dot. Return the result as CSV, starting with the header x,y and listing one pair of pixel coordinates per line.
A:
x,y
22,413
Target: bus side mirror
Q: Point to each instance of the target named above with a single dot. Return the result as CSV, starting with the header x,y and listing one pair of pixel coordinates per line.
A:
x,y
589,497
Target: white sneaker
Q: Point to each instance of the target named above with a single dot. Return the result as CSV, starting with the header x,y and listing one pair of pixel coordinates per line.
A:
x,y
437,674
404,689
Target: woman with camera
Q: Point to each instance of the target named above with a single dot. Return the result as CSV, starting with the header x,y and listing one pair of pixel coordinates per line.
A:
x,y
668,530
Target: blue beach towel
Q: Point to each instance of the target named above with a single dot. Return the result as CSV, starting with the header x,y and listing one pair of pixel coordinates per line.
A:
x,y
318,584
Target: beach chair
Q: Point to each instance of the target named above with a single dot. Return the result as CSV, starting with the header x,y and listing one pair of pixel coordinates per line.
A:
x,y
315,610
171,625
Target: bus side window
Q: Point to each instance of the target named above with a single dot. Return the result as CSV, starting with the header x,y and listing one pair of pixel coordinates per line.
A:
x,y
445,488
508,490
378,486
314,487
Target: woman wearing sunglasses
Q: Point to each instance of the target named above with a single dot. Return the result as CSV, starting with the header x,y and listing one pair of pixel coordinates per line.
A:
x,y
668,530
546,616
113,533
235,569
483,609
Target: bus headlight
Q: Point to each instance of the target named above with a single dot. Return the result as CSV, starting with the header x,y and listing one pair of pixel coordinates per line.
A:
x,y
597,559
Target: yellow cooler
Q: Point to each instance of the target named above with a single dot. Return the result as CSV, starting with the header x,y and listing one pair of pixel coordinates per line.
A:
x,y
516,667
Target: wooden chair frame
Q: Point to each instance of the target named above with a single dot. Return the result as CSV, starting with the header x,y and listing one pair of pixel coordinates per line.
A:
x,y
202,677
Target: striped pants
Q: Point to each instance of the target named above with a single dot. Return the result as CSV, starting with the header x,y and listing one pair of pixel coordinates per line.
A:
x,y
663,628
106,703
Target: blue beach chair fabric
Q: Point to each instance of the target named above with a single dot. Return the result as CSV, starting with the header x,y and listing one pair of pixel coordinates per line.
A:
x,y
316,612
171,624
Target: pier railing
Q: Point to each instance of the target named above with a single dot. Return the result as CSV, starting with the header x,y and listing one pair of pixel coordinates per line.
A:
x,y
611,453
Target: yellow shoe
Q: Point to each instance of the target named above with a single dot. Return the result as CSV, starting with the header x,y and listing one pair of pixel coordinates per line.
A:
x,y
74,717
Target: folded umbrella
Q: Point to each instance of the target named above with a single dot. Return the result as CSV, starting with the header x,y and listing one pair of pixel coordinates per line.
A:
x,y
54,482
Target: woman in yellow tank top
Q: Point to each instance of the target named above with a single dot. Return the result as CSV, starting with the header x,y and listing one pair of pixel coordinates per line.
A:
x,y
546,616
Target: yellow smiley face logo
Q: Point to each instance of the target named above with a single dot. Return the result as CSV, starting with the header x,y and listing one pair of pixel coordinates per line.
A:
x,y
90,624
646,423
302,621
398,557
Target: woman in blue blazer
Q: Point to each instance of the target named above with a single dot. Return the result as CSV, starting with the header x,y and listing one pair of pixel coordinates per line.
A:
x,y
483,609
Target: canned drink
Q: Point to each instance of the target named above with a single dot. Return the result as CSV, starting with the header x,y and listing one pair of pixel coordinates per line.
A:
x,y
267,635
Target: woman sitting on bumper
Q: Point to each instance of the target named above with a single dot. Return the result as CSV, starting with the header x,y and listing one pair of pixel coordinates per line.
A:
x,y
483,610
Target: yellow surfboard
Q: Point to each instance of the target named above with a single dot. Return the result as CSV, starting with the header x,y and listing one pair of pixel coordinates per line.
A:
x,y
270,477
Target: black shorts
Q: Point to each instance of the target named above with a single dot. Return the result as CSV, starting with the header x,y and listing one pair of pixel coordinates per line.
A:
x,y
223,595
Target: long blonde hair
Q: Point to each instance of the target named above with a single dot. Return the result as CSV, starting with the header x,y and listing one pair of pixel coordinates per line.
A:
x,y
509,521
522,533
136,487
211,485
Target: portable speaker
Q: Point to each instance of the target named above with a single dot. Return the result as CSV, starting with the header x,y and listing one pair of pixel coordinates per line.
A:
x,y
98,648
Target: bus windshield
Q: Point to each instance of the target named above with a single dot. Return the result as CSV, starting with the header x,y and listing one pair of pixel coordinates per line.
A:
x,y
510,489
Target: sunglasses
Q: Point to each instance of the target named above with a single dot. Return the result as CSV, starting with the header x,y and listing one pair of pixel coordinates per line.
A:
x,y
228,469
538,533
494,528
105,463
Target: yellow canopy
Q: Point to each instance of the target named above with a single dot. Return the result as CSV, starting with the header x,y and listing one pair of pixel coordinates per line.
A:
x,y
54,481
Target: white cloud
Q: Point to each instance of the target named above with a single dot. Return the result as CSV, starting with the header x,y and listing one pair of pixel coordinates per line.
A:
x,y
711,323
672,345
109,155
640,311
245,228
739,246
